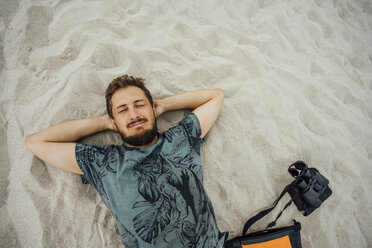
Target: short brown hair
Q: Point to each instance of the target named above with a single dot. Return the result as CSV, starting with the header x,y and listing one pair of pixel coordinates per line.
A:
x,y
123,82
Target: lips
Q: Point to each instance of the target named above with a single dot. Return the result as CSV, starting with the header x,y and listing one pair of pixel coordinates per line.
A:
x,y
137,124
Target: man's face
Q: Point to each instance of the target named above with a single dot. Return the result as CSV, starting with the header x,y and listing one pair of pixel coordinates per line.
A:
x,y
130,106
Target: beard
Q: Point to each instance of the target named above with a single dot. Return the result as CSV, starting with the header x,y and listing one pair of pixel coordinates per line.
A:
x,y
143,138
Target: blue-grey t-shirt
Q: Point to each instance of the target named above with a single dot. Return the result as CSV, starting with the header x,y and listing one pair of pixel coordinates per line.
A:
x,y
155,194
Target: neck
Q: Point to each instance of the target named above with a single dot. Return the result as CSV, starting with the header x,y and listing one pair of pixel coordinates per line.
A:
x,y
147,145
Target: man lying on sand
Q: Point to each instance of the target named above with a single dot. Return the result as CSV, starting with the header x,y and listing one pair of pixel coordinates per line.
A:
x,y
153,182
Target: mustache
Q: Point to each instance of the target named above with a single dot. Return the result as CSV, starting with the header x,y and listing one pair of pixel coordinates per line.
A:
x,y
140,120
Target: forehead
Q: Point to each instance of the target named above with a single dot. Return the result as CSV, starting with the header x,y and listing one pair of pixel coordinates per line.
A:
x,y
127,95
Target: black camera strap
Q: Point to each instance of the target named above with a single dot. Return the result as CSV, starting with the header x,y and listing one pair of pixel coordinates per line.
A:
x,y
261,214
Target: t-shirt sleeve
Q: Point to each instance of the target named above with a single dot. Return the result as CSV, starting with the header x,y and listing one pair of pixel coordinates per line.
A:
x,y
192,127
90,160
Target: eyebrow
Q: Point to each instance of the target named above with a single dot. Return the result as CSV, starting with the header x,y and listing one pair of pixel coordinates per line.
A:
x,y
123,105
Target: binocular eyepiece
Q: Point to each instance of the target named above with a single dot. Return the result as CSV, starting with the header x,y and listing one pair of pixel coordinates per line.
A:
x,y
301,183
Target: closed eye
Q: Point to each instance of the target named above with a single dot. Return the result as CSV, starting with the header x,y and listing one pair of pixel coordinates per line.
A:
x,y
127,109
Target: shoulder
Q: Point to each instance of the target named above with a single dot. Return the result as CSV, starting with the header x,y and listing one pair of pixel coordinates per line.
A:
x,y
188,129
95,153
95,161
191,122
84,148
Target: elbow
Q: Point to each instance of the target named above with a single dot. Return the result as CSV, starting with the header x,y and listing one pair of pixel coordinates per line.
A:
x,y
29,142
220,92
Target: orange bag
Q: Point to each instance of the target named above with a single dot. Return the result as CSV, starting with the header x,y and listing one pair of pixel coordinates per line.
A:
x,y
284,237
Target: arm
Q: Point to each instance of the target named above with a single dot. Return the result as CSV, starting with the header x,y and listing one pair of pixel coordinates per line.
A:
x,y
56,144
206,104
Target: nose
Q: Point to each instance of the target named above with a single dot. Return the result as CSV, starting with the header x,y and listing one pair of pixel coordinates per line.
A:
x,y
133,113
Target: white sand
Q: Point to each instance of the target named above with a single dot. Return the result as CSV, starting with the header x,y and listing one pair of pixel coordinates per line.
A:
x,y
297,77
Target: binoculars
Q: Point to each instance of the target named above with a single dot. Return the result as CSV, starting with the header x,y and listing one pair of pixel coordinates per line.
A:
x,y
310,189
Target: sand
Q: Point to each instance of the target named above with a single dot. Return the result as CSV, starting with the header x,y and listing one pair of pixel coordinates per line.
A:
x,y
297,77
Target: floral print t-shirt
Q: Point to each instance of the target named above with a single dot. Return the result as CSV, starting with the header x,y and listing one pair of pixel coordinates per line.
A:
x,y
155,194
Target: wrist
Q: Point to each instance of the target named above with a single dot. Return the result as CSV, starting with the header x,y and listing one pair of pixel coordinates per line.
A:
x,y
159,107
106,123
166,105
102,122
163,106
